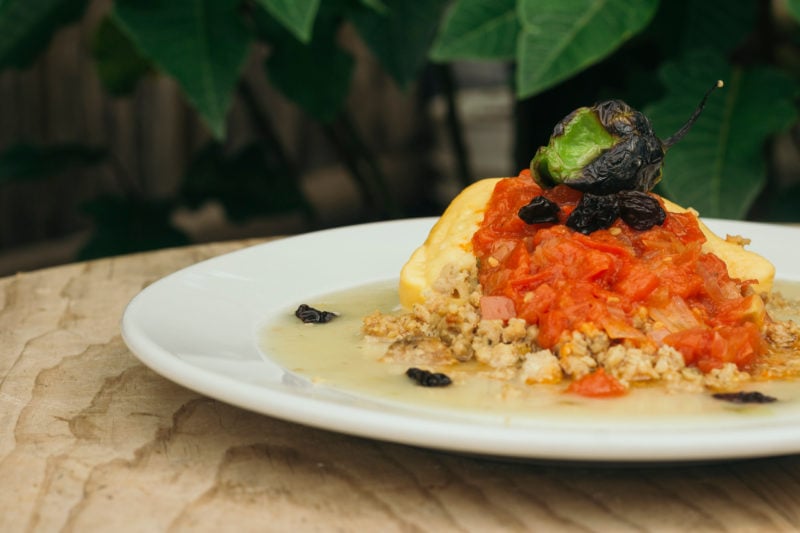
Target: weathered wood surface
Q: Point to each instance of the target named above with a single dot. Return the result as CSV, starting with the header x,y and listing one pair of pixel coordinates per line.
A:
x,y
91,440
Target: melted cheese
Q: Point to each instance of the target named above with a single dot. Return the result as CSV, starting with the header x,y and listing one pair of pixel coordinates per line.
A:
x,y
450,241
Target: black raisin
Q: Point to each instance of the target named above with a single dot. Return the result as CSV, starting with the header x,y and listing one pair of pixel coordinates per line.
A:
x,y
639,210
594,212
539,210
309,315
426,378
744,397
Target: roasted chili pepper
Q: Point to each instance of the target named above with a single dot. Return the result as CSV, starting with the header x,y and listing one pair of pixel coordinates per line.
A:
x,y
609,152
606,148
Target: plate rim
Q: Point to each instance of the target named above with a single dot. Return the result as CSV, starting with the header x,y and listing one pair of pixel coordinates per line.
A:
x,y
432,431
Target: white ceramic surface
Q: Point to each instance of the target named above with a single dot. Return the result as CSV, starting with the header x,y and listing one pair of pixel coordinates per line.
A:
x,y
199,327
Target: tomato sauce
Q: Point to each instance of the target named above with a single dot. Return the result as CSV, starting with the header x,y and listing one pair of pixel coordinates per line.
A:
x,y
649,287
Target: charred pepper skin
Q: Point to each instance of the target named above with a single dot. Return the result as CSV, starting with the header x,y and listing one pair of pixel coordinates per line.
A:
x,y
610,153
632,161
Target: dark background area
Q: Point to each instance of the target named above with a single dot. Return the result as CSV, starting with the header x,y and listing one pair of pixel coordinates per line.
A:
x,y
90,166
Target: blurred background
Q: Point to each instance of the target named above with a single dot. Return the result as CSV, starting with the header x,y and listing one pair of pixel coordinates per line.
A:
x,y
131,125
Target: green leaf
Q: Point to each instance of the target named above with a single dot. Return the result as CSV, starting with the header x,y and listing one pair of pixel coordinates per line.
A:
x,y
713,24
375,5
119,64
25,162
296,15
316,76
26,27
478,29
248,183
124,226
719,168
559,38
793,6
203,44
781,205
401,37
684,25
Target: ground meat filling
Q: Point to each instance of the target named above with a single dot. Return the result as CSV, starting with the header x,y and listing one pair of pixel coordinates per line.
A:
x,y
447,330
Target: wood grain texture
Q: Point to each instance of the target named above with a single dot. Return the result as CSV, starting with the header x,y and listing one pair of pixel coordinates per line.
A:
x,y
91,440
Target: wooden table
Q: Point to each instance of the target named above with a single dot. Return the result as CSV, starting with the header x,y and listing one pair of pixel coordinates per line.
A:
x,y
91,440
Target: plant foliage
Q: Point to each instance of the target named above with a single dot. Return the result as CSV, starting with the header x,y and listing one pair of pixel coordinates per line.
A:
x,y
658,54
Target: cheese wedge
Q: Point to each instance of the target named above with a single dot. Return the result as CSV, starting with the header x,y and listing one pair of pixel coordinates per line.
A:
x,y
450,241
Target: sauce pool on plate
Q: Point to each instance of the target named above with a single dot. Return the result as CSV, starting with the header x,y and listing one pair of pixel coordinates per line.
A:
x,y
337,355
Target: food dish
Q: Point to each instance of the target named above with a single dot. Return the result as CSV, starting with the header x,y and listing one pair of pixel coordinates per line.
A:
x,y
603,311
199,327
575,270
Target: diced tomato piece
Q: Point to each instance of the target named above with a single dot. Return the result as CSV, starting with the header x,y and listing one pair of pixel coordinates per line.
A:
x,y
551,326
598,384
497,308
692,343
560,279
637,283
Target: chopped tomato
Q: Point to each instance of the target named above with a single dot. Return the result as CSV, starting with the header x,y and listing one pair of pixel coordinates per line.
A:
x,y
560,280
598,384
497,308
708,348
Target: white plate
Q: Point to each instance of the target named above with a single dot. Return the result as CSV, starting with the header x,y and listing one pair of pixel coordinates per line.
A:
x,y
199,327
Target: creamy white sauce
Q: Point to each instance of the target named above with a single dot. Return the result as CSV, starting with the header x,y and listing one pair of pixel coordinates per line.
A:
x,y
337,355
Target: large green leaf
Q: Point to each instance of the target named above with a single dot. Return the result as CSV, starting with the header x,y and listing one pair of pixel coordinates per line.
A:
x,y
119,64
559,38
316,76
781,205
478,29
248,183
376,5
793,7
401,36
683,25
296,15
201,43
26,27
714,24
719,168
24,162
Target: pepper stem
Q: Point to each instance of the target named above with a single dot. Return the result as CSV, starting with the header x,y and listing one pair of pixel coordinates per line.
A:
x,y
678,135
